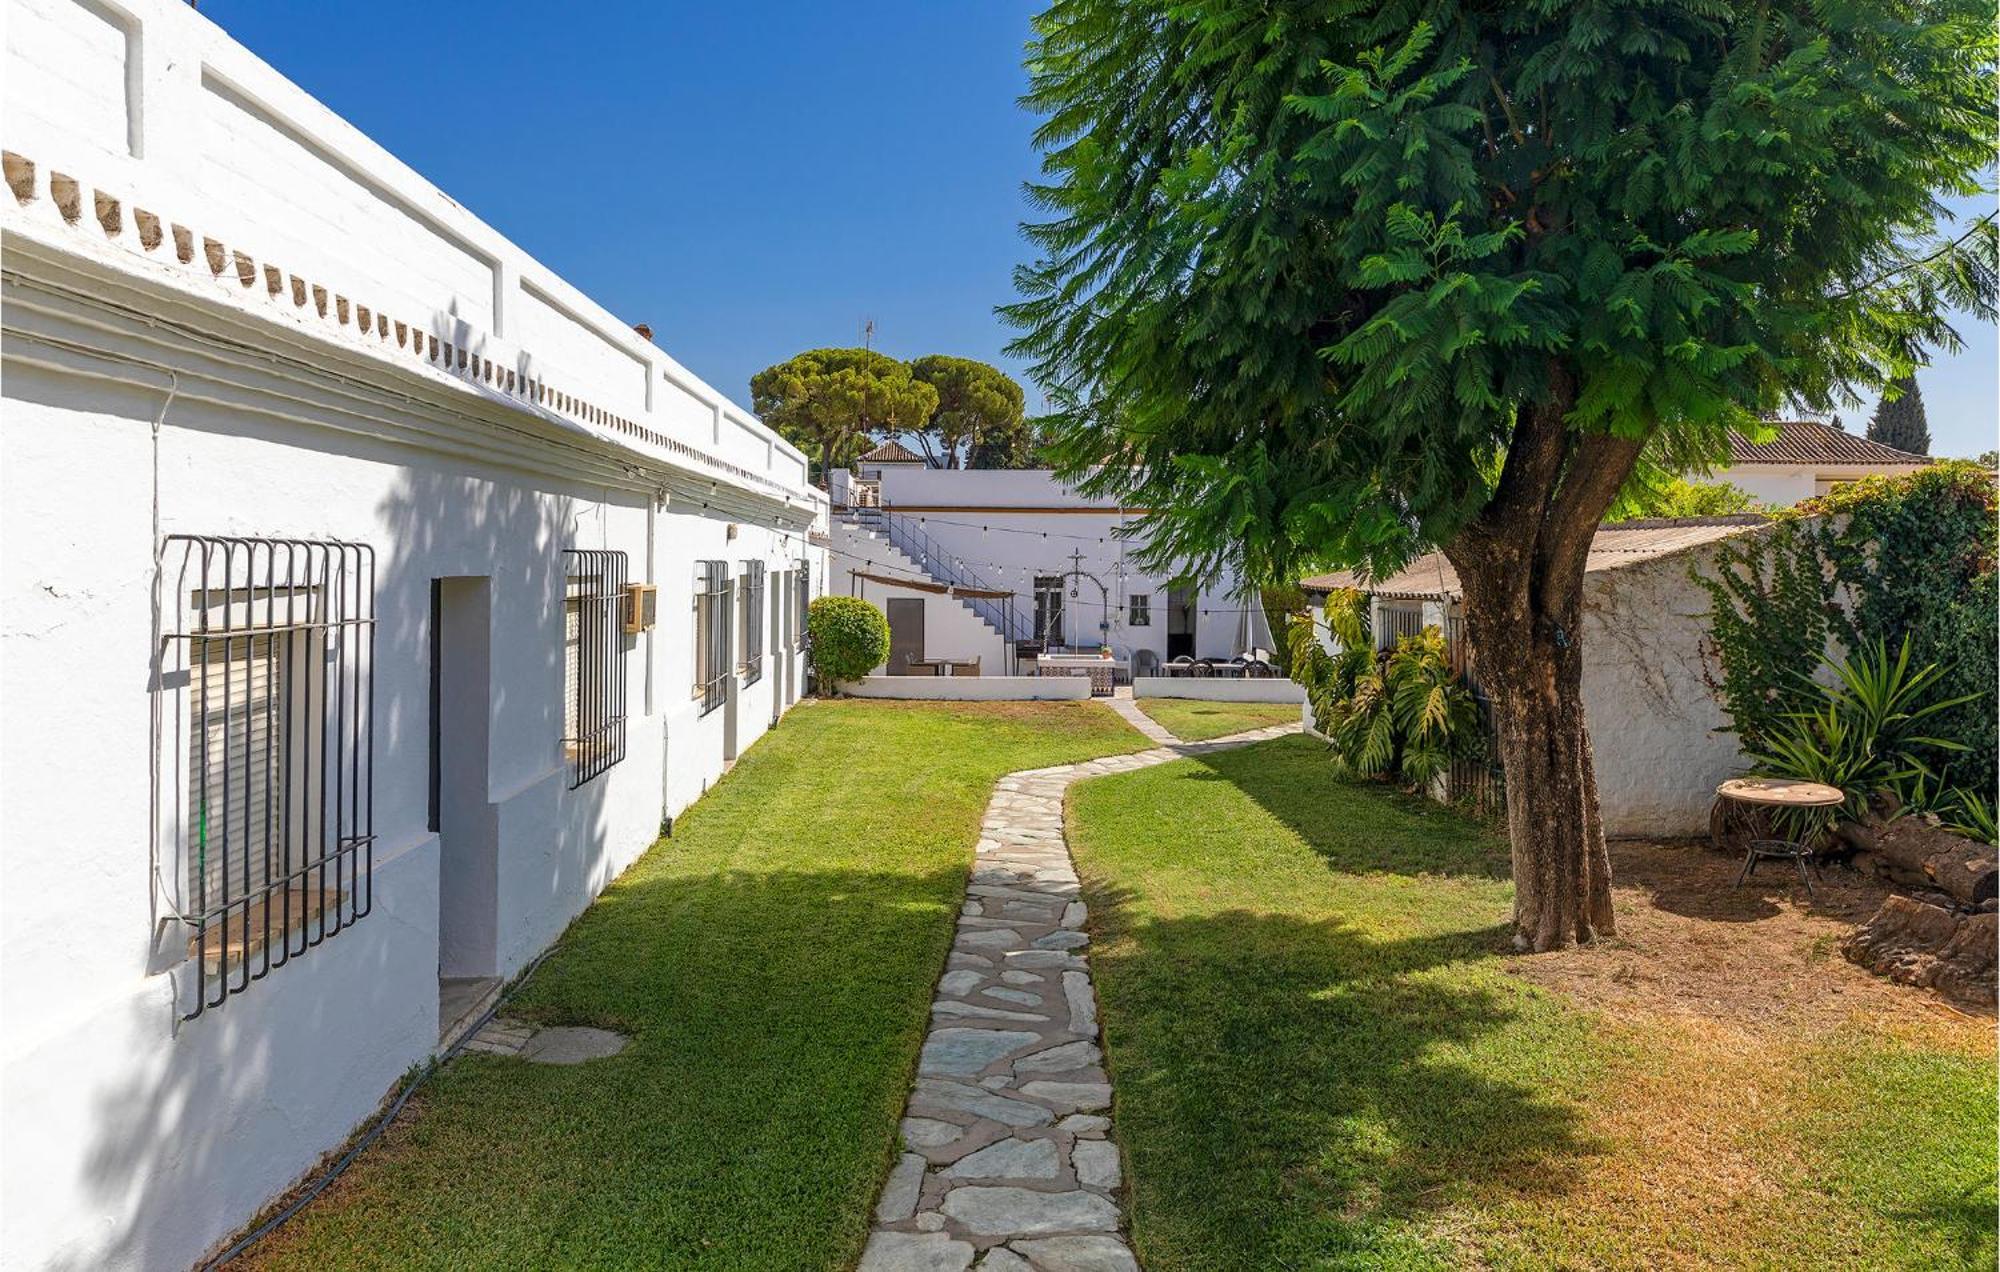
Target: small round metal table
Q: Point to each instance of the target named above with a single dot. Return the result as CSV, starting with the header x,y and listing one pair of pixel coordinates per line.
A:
x,y
1779,793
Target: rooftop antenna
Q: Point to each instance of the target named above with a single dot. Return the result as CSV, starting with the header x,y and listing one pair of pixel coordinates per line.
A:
x,y
868,334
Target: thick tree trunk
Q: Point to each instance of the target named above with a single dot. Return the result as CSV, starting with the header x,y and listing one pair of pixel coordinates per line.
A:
x,y
1521,564
1531,667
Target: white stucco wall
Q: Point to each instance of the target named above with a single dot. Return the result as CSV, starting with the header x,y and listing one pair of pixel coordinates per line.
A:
x,y
147,396
1217,689
951,628
973,688
1773,485
1010,525
1653,720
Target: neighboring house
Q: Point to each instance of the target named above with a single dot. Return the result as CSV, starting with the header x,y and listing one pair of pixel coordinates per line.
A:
x,y
1062,560
890,454
1808,458
1654,723
333,690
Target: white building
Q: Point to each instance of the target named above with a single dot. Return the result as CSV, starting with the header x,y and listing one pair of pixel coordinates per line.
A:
x,y
1809,458
1654,722
1065,561
327,701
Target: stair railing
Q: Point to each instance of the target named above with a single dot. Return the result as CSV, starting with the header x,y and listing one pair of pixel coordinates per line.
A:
x,y
945,566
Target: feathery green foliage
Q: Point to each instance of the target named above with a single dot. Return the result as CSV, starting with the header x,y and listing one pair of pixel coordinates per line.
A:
x,y
1679,497
1406,713
1303,266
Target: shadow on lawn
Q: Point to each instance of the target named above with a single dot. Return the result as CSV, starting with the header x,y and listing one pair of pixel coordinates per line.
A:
x,y
1294,1089
775,1016
1357,826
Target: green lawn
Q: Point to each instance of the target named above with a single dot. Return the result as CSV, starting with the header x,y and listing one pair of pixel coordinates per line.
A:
x,y
1193,721
1323,1060
773,962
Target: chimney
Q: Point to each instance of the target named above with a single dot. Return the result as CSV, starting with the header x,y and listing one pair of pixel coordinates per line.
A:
x,y
643,329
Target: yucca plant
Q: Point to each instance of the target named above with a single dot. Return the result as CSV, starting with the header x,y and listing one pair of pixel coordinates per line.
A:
x,y
1970,815
1861,738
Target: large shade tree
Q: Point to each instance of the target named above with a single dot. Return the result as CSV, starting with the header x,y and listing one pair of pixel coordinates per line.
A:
x,y
1336,282
832,402
978,410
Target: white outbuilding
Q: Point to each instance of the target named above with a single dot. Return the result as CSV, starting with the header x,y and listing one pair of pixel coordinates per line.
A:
x,y
1656,725
370,598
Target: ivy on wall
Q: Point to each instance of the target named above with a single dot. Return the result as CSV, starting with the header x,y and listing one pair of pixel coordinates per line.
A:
x,y
1886,559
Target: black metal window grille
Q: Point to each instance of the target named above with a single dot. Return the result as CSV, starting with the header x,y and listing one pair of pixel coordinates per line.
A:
x,y
711,633
805,586
593,662
752,592
1139,610
272,814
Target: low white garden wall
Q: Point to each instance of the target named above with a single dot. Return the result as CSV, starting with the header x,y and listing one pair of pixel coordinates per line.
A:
x,y
972,688
1217,689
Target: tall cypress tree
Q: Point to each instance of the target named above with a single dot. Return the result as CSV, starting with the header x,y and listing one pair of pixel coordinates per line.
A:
x,y
1332,282
1901,423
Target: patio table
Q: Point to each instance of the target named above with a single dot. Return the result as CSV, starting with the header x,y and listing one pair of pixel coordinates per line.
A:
x,y
1779,793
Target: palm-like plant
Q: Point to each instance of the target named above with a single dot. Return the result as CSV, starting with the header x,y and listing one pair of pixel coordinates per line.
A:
x,y
1861,737
1437,718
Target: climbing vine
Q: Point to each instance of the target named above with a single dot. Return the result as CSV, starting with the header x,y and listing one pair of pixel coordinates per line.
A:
x,y
1880,562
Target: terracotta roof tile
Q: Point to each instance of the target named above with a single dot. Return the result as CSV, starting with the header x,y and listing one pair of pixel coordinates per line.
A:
x,y
1625,543
1811,442
891,452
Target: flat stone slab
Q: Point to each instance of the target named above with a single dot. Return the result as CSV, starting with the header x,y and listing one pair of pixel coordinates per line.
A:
x,y
1070,1055
965,1099
915,1252
899,1195
1096,1164
1079,1254
1079,1097
997,1212
1010,1159
926,1132
967,1051
571,1044
979,1118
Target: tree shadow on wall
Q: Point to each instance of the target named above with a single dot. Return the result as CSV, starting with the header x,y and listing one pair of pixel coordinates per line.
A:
x,y
218,1113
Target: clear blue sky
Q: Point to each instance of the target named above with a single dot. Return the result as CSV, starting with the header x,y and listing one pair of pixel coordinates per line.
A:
x,y
752,179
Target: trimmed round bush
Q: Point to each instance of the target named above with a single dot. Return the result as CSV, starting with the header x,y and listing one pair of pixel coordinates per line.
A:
x,y
850,638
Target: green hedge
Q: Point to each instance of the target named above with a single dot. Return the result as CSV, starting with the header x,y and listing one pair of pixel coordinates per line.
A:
x,y
849,636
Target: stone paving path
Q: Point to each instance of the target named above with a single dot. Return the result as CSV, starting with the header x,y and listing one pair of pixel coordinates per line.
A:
x,y
1008,1156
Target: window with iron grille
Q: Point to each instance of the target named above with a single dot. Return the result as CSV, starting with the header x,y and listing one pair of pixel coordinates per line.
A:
x,y
593,662
1394,620
752,593
267,673
805,586
711,633
1139,611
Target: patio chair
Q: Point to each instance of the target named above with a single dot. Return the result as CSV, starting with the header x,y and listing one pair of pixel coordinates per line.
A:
x,y
965,666
1202,667
1182,666
1145,663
